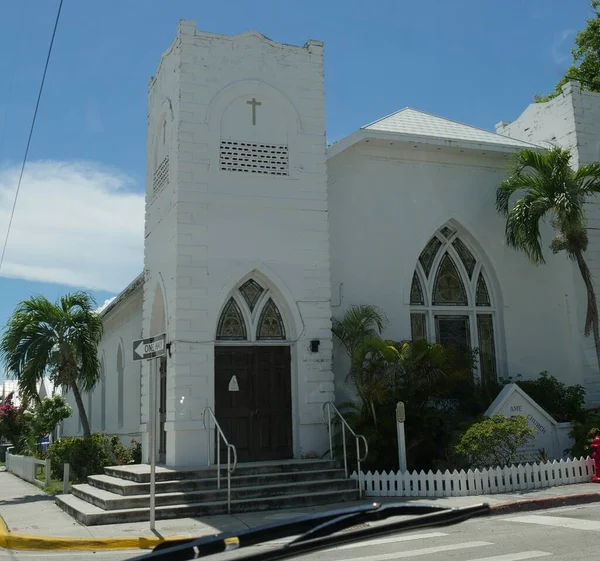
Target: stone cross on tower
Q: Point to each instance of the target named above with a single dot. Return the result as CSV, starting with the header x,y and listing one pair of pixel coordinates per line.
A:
x,y
254,103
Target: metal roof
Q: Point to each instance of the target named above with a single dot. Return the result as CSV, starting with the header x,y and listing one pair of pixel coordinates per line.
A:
x,y
412,122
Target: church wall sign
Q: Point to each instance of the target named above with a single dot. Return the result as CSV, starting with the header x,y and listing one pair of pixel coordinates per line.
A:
x,y
550,436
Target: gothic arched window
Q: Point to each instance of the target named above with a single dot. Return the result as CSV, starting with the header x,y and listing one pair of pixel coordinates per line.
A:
x,y
120,388
102,396
451,302
270,324
232,326
251,314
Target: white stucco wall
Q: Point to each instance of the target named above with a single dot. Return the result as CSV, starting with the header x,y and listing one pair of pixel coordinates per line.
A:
x,y
386,203
208,229
572,121
121,326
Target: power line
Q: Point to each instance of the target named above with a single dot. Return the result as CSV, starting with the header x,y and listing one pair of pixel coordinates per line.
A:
x,y
37,105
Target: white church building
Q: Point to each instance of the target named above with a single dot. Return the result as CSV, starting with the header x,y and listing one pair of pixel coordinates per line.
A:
x,y
258,234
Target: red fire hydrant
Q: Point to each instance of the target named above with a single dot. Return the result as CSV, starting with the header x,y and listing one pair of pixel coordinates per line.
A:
x,y
595,446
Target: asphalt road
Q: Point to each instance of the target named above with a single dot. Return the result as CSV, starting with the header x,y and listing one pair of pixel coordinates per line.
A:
x,y
570,533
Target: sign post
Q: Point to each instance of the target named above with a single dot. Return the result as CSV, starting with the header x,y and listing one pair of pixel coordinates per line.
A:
x,y
152,348
400,418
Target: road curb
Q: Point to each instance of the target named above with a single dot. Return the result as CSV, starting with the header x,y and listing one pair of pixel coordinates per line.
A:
x,y
545,502
10,540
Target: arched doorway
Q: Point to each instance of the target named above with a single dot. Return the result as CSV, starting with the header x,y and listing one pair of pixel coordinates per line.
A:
x,y
253,388
158,325
451,301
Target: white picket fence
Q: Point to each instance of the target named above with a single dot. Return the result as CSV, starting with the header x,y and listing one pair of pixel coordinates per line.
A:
x,y
25,467
522,477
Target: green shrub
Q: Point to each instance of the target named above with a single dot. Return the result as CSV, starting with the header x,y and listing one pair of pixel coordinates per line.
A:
x,y
564,403
494,441
583,432
87,456
136,451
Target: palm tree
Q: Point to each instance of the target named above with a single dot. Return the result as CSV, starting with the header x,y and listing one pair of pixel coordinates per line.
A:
x,y
360,333
552,189
59,340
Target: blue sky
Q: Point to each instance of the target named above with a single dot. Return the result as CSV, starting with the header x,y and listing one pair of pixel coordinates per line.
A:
x,y
79,221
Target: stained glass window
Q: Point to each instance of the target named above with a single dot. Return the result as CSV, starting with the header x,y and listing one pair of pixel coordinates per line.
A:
x,y
418,327
465,255
270,324
231,323
416,293
487,350
482,296
428,254
448,289
453,332
447,232
251,292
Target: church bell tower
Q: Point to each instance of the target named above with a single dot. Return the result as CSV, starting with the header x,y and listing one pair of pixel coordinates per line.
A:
x,y
237,246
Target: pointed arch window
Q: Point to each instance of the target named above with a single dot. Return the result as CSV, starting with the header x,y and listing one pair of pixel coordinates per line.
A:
x,y
416,292
428,254
102,397
251,291
482,296
447,232
120,388
270,324
451,302
90,412
465,256
448,289
232,326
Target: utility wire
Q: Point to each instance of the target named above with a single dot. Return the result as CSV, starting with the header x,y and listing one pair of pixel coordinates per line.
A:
x,y
37,105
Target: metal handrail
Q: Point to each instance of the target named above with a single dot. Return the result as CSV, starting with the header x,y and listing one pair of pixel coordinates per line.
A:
x,y
230,451
328,406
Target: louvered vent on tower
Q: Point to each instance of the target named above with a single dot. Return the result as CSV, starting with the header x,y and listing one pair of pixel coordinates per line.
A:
x,y
251,157
161,175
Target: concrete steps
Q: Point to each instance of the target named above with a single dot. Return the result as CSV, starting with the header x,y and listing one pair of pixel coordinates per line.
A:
x,y
123,492
128,487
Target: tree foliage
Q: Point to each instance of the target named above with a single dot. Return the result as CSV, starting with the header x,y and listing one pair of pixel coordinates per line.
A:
x,y
549,189
440,393
56,339
12,422
48,413
494,442
586,58
89,456
564,403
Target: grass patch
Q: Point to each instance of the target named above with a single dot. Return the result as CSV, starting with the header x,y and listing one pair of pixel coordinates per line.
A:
x,y
56,485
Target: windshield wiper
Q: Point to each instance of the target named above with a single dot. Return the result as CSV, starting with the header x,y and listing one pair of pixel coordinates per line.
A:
x,y
315,531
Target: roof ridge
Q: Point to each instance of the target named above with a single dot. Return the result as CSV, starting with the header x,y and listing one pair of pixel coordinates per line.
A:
x,y
471,126
454,121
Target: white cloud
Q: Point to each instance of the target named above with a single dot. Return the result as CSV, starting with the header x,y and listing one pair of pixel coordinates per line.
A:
x,y
76,223
107,303
561,51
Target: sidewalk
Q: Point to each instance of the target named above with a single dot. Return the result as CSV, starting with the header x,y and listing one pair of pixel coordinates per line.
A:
x,y
28,510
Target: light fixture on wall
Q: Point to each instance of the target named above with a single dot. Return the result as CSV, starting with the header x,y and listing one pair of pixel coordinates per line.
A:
x,y
169,349
314,346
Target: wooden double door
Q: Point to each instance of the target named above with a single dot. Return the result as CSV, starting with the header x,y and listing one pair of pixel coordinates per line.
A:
x,y
253,400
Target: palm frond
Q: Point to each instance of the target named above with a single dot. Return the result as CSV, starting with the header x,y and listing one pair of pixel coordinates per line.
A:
x,y
523,226
358,323
587,178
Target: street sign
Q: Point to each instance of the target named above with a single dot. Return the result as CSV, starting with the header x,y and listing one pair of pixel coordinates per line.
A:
x,y
150,347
